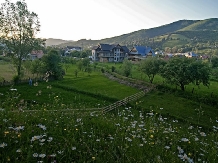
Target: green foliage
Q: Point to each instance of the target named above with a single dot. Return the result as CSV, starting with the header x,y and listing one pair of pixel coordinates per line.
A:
x,y
214,74
183,71
113,69
126,67
16,79
102,70
20,39
83,64
214,62
37,67
178,71
80,65
52,66
76,72
151,67
200,72
75,53
5,59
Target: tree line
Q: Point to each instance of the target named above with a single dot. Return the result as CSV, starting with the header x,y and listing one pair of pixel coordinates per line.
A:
x,y
180,71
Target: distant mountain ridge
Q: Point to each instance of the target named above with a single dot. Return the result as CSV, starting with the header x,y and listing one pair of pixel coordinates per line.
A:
x,y
202,30
53,41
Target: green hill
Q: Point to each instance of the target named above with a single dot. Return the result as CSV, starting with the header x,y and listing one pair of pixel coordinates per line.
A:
x,y
203,25
182,34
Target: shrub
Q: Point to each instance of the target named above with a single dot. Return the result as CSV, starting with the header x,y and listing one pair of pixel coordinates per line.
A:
x,y
16,79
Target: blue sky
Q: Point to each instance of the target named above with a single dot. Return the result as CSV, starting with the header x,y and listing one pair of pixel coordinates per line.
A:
x,y
98,19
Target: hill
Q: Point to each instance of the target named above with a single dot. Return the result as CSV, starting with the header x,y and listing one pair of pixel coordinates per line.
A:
x,y
203,25
180,34
52,41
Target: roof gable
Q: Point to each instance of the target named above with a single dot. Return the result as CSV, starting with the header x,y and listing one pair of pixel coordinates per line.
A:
x,y
105,47
143,50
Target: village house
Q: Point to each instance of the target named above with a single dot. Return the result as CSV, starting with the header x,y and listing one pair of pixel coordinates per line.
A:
x,y
191,55
109,53
140,52
35,54
69,49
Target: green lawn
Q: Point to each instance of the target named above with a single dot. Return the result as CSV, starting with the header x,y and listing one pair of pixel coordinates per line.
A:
x,y
85,91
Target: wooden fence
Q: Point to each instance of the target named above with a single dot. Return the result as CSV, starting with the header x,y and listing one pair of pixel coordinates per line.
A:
x,y
123,102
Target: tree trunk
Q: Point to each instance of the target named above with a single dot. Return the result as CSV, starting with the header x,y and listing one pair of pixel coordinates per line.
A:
x,y
19,68
182,86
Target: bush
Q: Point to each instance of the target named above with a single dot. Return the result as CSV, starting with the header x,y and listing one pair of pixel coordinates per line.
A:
x,y
16,79
113,68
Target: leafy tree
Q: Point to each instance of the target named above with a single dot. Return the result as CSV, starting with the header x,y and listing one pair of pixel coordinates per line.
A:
x,y
214,74
83,64
76,72
75,54
18,28
200,72
37,67
214,62
127,67
80,65
83,54
66,66
27,65
113,69
177,71
151,67
52,65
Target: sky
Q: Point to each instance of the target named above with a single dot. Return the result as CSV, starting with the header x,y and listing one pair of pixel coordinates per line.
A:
x,y
99,19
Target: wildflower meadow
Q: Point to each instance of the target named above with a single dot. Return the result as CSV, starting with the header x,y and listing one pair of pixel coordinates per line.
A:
x,y
127,134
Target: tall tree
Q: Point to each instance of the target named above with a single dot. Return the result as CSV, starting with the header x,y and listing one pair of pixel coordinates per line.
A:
x,y
18,29
52,65
151,67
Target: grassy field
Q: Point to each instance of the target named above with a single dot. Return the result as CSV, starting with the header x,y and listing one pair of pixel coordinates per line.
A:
x,y
85,91
6,71
169,127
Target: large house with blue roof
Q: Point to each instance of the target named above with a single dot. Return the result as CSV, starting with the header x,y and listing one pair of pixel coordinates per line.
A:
x,y
140,52
109,53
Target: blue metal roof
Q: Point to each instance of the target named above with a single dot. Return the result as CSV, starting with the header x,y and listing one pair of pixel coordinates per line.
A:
x,y
144,50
